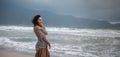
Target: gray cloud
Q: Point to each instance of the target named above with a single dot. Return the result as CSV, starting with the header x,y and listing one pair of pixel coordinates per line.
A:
x,y
96,9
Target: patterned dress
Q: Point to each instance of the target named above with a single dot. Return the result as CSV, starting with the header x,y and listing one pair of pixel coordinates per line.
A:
x,y
41,45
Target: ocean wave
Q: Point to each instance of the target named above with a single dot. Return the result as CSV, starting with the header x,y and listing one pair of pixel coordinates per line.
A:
x,y
71,31
19,46
30,47
15,28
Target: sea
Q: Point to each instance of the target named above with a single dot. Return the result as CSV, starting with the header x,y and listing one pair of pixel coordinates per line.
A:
x,y
65,41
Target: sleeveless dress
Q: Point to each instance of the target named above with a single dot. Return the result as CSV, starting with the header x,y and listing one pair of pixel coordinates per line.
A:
x,y
41,45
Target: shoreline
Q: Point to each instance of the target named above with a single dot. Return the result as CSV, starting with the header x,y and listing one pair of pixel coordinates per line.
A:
x,y
10,53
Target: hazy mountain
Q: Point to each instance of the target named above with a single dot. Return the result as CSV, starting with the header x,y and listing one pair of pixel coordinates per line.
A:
x,y
23,16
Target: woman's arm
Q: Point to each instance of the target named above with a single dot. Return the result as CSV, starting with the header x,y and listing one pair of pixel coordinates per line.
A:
x,y
44,30
39,33
47,42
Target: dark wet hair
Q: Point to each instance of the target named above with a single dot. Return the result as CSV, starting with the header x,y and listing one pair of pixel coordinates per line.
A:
x,y
34,21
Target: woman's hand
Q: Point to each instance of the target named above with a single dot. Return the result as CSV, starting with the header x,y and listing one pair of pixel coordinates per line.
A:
x,y
49,45
44,29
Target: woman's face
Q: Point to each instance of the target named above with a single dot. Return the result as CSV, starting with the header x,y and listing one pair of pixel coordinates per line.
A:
x,y
39,20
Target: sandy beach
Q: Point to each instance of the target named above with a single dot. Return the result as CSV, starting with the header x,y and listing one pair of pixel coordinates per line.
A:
x,y
8,53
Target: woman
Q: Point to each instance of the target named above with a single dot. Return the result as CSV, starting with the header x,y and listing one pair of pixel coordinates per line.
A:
x,y
42,43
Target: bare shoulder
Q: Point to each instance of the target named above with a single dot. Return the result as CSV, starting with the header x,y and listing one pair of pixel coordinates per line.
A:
x,y
37,27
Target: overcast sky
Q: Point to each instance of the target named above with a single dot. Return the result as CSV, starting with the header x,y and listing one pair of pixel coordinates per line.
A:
x,y
96,9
